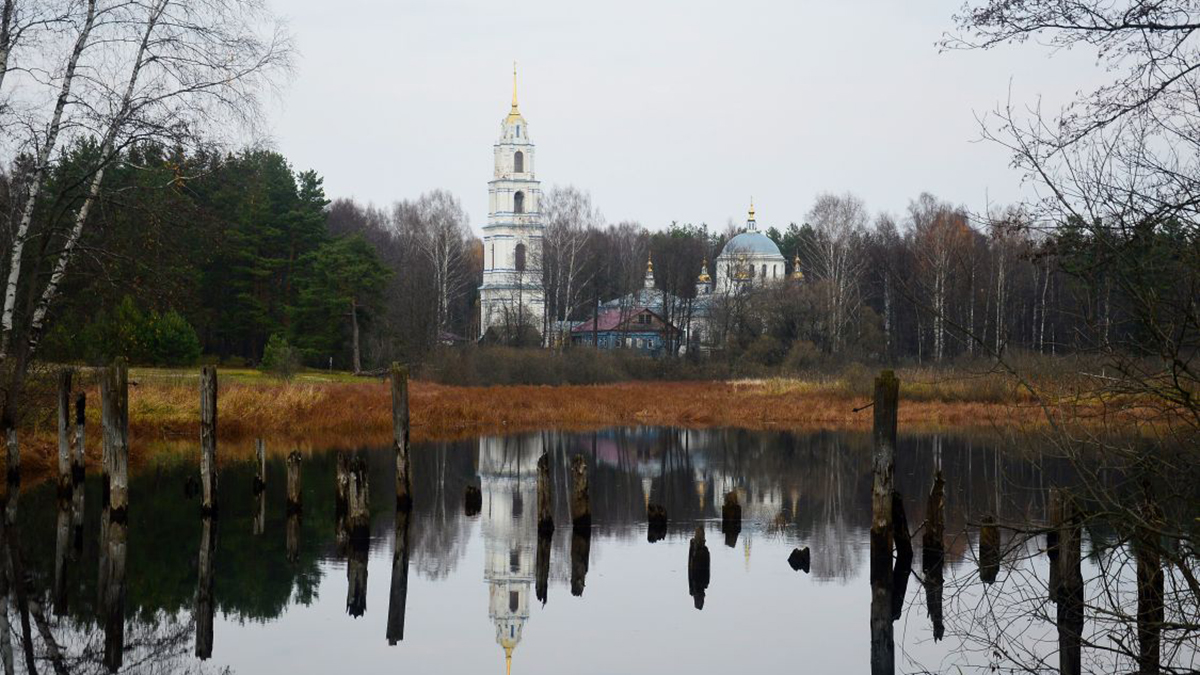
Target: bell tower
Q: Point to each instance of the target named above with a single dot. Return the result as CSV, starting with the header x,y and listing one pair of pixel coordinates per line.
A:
x,y
511,294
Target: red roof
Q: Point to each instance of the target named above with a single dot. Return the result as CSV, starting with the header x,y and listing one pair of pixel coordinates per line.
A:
x,y
610,319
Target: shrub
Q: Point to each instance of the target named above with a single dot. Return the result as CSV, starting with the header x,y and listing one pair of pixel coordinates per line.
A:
x,y
802,356
280,358
170,340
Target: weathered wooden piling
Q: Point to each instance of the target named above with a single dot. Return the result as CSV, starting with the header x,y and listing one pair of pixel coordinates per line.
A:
x,y
933,554
341,484
292,536
260,466
472,501
208,440
78,458
295,503
1150,612
581,507
656,522
545,495
731,512
114,412
260,513
542,573
581,547
62,556
65,479
699,567
989,549
800,560
1068,592
356,581
358,505
111,587
205,604
398,593
886,399
400,433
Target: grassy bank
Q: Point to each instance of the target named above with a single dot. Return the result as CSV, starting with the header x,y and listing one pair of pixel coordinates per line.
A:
x,y
339,410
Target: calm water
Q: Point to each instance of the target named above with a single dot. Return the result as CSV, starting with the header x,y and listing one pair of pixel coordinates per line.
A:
x,y
289,596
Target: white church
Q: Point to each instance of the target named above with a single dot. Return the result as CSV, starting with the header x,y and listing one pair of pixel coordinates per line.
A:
x,y
511,295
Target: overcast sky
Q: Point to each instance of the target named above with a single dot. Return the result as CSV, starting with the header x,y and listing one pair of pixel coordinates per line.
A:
x,y
663,111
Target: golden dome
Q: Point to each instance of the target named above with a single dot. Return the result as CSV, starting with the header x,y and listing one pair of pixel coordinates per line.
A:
x,y
704,278
796,273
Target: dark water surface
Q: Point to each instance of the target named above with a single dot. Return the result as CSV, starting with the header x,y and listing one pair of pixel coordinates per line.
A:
x,y
289,595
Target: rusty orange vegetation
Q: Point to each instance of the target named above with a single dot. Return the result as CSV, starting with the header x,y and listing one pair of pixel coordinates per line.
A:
x,y
164,414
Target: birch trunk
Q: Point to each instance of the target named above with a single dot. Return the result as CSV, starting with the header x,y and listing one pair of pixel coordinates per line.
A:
x,y
38,178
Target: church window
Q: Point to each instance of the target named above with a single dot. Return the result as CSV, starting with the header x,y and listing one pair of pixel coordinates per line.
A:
x,y
493,255
518,131
519,162
764,271
514,601
520,256
514,560
519,202
751,271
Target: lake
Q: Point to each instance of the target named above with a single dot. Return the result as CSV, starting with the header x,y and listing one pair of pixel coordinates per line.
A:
x,y
481,593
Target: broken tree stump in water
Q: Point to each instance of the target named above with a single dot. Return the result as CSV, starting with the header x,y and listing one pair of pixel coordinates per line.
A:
x,y
542,578
699,567
77,455
358,505
886,399
341,484
65,478
400,423
989,549
656,522
205,603
581,507
1069,591
581,546
208,440
933,552
472,500
398,592
356,580
114,413
800,560
545,496
904,555
731,518
260,466
294,495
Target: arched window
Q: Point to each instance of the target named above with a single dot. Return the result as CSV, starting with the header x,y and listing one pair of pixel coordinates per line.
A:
x,y
764,271
751,270
519,202
520,256
519,162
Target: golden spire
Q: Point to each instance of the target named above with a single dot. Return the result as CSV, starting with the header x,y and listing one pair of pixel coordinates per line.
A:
x,y
796,273
751,204
508,660
514,114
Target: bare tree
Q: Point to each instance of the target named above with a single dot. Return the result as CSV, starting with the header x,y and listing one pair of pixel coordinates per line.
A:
x,y
570,220
442,239
837,256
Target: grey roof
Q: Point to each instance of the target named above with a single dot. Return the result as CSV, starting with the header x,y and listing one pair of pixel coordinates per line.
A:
x,y
751,242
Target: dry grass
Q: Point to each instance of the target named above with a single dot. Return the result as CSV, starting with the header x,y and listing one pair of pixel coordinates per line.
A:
x,y
164,410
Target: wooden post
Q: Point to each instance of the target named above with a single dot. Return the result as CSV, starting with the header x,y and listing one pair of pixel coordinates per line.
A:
x,y
1070,584
581,507
78,457
295,503
656,522
883,648
472,501
356,581
731,518
545,496
542,578
699,567
205,605
358,506
800,560
989,549
114,404
260,515
341,483
260,475
581,546
62,555
933,554
292,536
65,480
400,433
398,595
1150,614
113,538
208,440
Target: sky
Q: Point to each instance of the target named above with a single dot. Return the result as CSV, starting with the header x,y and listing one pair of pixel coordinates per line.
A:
x,y
662,110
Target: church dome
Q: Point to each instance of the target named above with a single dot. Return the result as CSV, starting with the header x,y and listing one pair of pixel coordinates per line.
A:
x,y
751,243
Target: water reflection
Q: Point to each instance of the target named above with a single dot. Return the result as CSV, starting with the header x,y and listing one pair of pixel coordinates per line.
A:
x,y
167,584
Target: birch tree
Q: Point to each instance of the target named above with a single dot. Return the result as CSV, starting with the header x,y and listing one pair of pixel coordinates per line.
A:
x,y
442,240
570,220
838,259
